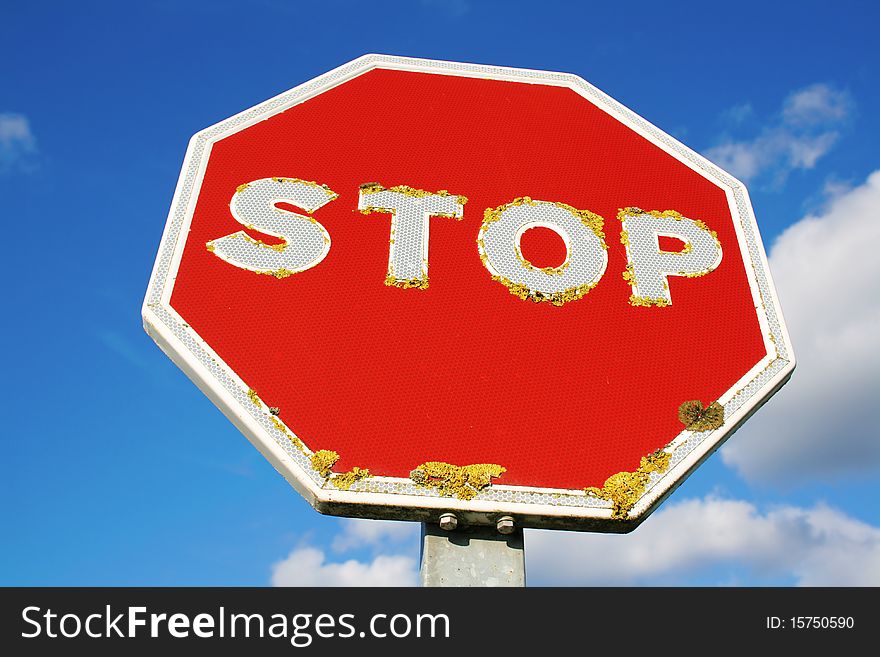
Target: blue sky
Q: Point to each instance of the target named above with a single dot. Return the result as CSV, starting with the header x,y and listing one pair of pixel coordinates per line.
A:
x,y
117,470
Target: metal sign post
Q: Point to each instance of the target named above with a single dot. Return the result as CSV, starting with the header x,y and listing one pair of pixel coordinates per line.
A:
x,y
472,556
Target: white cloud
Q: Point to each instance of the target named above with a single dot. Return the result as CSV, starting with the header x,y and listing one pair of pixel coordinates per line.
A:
x,y
776,149
824,422
805,129
834,188
357,533
308,566
688,542
817,103
17,143
738,113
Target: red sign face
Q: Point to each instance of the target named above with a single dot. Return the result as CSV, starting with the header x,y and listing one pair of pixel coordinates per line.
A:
x,y
419,288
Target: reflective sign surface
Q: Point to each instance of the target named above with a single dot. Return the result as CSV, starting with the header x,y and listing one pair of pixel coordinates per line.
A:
x,y
419,286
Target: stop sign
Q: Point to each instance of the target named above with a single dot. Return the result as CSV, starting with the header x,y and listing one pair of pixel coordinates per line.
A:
x,y
420,287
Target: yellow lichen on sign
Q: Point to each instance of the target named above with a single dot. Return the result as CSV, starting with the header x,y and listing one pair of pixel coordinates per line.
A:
x,y
345,480
323,460
522,291
647,302
623,213
253,396
624,489
697,418
374,188
589,219
331,195
283,429
407,283
463,482
280,247
278,273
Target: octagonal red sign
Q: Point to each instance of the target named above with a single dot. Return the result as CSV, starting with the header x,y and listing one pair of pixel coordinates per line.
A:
x,y
422,286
